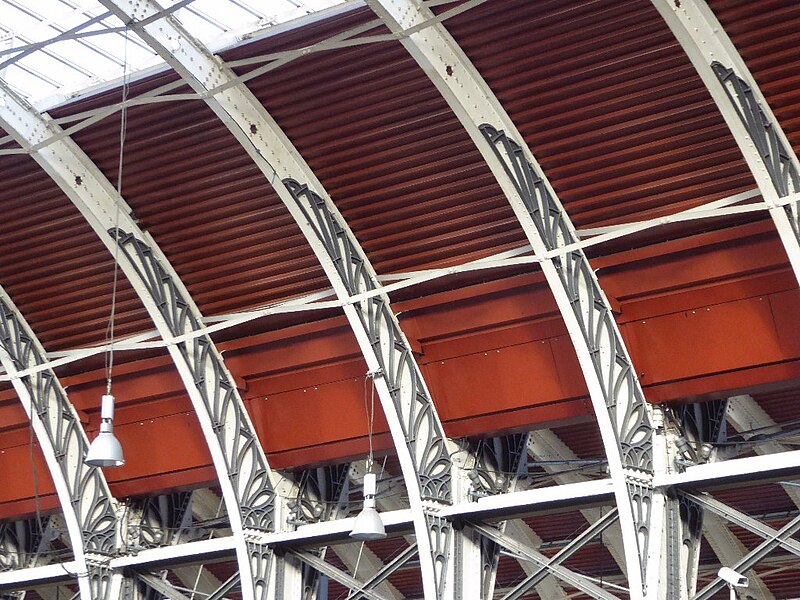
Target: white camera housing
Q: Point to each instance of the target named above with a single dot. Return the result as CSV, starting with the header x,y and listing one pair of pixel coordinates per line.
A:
x,y
732,577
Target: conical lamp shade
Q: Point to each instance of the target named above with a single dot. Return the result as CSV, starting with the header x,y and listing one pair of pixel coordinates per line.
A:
x,y
105,451
368,526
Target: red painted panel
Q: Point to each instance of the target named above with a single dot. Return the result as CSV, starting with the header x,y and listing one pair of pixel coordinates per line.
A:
x,y
717,339
315,415
21,478
502,379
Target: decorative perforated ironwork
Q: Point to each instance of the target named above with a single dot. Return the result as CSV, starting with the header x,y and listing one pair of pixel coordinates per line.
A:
x,y
99,581
245,462
321,492
623,395
88,493
260,563
764,133
18,542
163,518
500,462
440,532
621,391
423,433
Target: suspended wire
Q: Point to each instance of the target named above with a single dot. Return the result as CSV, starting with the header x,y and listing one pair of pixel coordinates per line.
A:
x,y
123,126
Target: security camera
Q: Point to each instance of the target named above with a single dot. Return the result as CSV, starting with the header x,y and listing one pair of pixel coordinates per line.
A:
x,y
732,577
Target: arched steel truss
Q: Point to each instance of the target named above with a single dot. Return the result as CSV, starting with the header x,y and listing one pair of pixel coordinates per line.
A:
x,y
760,138
416,430
90,512
626,422
247,483
633,437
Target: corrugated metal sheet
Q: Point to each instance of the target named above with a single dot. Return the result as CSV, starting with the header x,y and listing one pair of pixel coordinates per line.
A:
x,y
765,33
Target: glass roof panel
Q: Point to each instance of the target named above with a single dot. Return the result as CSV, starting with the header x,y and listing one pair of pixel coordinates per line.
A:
x,y
53,49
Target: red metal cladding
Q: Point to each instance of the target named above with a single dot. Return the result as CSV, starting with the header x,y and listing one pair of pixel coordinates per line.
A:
x,y
765,34
210,209
393,157
608,103
54,266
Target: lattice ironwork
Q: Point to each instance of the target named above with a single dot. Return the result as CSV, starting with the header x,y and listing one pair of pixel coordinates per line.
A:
x,y
776,157
87,490
423,433
18,543
621,391
245,463
321,492
162,519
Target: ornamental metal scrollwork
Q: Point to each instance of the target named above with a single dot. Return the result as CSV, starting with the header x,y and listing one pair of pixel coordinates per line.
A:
x,y
322,491
18,543
246,465
440,533
260,564
621,391
163,519
423,434
87,490
99,580
764,133
499,463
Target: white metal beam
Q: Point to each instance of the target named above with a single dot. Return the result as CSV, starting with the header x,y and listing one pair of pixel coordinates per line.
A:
x,y
760,138
415,428
244,475
90,512
728,473
624,418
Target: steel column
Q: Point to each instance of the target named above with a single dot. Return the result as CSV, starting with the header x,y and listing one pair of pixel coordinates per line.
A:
x,y
626,424
414,425
244,475
763,143
90,512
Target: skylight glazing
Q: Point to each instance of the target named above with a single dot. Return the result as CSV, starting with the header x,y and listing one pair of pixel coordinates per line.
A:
x,y
51,49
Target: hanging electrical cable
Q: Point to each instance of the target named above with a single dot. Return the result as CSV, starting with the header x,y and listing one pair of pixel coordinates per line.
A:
x,y
105,450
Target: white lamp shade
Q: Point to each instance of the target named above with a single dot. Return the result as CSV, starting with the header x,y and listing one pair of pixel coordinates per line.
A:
x,y
105,451
368,526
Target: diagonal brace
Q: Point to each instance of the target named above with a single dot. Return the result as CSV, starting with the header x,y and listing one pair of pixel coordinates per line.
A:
x,y
336,574
745,521
385,571
755,556
225,587
161,586
576,580
571,548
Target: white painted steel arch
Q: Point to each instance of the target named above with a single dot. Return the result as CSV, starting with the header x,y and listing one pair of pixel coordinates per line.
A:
x,y
626,424
90,512
760,138
415,427
246,481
